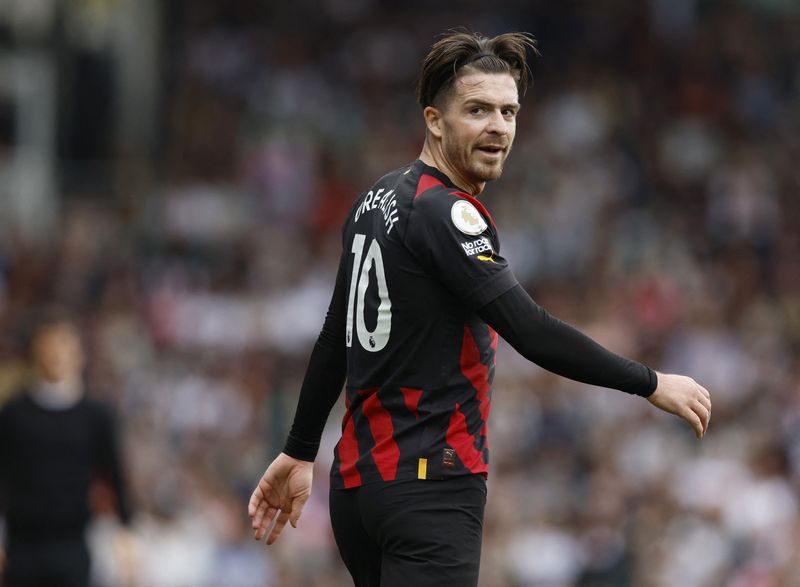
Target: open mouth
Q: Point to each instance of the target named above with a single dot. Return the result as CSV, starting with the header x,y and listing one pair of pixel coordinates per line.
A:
x,y
491,149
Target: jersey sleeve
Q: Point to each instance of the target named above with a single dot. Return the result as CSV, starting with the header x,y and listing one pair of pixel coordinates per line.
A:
x,y
562,349
324,378
454,241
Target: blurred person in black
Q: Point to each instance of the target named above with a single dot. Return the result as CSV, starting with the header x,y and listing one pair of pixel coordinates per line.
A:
x,y
54,443
421,295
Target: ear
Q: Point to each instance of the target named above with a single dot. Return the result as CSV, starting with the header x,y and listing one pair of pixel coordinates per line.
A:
x,y
433,121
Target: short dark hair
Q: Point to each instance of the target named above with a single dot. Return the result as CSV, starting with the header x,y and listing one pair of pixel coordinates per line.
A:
x,y
506,53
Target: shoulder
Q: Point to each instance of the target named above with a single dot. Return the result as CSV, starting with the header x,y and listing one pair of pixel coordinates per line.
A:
x,y
18,400
441,204
15,410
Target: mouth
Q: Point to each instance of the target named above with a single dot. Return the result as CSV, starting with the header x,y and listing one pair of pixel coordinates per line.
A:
x,y
492,150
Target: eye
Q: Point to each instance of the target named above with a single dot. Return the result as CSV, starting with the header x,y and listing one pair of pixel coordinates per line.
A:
x,y
509,113
476,110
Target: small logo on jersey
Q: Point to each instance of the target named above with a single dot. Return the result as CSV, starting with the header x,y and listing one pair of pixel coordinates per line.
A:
x,y
466,218
485,258
478,246
449,458
371,342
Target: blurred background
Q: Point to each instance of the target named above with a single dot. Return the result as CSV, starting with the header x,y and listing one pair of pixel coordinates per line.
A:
x,y
177,172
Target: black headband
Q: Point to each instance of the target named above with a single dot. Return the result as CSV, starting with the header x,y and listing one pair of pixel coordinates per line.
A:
x,y
476,57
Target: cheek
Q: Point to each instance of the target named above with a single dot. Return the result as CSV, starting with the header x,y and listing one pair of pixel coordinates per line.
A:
x,y
460,136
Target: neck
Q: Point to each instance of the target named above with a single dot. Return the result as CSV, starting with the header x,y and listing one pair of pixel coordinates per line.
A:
x,y
433,156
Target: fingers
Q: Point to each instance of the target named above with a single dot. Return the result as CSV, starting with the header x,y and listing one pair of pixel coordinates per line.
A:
x,y
255,499
698,417
262,519
263,507
703,413
704,400
297,508
702,406
694,421
266,522
283,517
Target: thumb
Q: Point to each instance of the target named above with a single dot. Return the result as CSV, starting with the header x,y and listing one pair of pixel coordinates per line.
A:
x,y
297,509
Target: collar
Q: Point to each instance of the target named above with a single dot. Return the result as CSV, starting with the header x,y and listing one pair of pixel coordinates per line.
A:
x,y
56,396
420,168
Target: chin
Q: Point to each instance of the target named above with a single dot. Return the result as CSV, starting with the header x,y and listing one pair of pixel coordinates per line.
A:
x,y
488,173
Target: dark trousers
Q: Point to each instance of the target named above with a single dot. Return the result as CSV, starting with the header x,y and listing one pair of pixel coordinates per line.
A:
x,y
411,533
61,562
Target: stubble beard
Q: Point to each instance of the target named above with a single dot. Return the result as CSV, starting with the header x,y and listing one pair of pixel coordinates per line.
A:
x,y
487,171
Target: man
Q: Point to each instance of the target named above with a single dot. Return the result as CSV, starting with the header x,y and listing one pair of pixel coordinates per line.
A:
x,y
421,294
53,443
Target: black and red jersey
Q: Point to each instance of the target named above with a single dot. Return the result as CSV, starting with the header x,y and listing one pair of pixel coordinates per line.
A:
x,y
420,257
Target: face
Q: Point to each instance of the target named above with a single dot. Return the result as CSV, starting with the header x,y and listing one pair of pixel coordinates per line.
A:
x,y
477,125
58,353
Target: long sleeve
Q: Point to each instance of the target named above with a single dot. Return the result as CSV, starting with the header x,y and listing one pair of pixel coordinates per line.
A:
x,y
110,460
4,444
560,348
323,380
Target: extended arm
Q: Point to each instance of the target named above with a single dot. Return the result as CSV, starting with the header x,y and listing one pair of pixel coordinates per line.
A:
x,y
560,348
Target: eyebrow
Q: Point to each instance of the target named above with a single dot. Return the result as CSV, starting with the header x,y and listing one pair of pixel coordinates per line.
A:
x,y
478,102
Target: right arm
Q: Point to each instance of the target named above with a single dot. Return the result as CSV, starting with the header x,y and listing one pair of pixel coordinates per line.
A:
x,y
324,378
286,484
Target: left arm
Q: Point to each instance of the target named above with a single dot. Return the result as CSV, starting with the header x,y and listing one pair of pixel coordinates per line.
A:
x,y
562,349
558,347
110,461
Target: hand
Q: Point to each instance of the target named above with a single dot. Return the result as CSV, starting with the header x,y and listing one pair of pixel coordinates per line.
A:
x,y
285,487
126,555
684,397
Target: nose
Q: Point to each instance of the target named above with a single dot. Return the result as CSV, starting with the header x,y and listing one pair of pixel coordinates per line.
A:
x,y
497,123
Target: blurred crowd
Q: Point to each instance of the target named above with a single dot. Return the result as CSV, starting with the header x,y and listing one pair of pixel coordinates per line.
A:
x,y
652,199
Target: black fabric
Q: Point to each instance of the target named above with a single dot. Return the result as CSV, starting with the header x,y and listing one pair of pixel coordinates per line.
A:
x,y
446,280
416,533
323,380
560,348
469,265
419,256
48,460
48,562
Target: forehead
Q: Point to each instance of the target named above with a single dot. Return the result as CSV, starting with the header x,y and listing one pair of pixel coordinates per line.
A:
x,y
60,330
492,88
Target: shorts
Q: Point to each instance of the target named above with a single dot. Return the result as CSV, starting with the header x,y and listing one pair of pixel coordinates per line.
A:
x,y
411,533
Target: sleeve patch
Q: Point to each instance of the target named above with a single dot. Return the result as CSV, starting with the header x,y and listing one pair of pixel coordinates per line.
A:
x,y
478,247
467,219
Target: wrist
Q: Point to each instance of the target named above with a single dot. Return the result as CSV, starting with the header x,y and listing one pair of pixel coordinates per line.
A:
x,y
300,449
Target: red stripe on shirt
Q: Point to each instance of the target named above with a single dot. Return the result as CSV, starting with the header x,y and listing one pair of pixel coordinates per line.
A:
x,y
411,398
348,452
427,182
385,452
463,443
477,373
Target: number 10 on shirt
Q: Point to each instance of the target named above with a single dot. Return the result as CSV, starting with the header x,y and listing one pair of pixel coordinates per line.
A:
x,y
371,340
